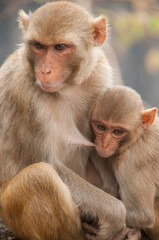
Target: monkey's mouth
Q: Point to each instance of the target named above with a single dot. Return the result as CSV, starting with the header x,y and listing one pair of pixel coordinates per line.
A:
x,y
104,154
50,87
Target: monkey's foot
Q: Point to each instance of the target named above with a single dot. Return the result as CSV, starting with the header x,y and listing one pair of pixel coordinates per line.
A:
x,y
133,234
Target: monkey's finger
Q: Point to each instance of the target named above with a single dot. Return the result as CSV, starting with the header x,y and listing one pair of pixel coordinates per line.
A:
x,y
134,235
90,228
88,236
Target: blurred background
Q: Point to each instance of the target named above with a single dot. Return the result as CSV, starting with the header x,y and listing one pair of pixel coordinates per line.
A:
x,y
132,47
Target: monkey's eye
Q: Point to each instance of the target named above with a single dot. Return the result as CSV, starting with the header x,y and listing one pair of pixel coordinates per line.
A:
x,y
38,45
118,132
60,47
101,127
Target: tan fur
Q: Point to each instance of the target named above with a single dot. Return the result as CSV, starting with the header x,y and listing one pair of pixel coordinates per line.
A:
x,y
135,164
38,126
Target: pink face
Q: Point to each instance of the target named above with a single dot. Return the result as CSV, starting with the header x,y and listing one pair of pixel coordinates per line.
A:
x,y
51,64
108,137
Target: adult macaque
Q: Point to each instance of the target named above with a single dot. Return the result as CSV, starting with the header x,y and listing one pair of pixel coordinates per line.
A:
x,y
47,87
127,136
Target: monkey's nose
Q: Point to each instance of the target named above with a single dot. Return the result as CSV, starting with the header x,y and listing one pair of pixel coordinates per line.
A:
x,y
47,72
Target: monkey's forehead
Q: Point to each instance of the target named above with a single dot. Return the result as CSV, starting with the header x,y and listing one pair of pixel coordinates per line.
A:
x,y
121,99
57,17
123,107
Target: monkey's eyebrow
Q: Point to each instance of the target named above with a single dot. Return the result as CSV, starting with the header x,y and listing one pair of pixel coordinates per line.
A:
x,y
31,42
94,120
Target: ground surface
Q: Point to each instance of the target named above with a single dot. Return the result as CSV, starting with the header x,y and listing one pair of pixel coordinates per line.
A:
x,y
5,234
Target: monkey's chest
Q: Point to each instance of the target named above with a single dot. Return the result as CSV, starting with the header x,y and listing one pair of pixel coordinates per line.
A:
x,y
62,135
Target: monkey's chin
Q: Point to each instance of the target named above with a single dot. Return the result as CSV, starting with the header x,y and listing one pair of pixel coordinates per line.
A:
x,y
104,154
50,87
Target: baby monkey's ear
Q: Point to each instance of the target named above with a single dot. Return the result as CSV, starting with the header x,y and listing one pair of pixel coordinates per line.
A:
x,y
148,117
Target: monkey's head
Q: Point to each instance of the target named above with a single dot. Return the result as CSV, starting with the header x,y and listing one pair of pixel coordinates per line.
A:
x,y
60,40
119,119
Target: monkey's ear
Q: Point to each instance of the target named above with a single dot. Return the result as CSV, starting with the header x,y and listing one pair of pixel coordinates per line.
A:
x,y
99,31
23,20
148,117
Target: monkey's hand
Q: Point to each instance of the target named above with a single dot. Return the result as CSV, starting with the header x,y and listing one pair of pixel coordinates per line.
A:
x,y
90,229
133,234
93,204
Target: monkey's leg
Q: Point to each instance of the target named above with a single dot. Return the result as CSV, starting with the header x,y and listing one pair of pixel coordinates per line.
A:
x,y
37,205
153,232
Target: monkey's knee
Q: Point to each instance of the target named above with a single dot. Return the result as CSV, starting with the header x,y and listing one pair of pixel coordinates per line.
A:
x,y
37,205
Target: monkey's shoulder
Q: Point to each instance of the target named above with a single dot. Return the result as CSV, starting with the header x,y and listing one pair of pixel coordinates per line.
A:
x,y
12,57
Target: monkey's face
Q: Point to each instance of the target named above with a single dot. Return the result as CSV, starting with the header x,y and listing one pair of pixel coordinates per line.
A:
x,y
108,136
118,120
52,65
60,37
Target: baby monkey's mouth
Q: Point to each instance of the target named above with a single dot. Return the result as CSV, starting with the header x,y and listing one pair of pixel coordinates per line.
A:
x,y
104,153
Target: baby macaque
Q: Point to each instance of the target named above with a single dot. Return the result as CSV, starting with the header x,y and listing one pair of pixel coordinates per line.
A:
x,y
127,136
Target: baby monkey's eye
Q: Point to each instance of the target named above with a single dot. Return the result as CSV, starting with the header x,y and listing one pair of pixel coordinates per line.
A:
x,y
101,127
118,131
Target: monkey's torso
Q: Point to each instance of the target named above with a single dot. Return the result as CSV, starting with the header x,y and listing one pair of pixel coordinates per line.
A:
x,y
136,171
35,125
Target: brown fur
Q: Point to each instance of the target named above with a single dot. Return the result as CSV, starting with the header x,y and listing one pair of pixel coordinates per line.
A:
x,y
38,194
46,125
